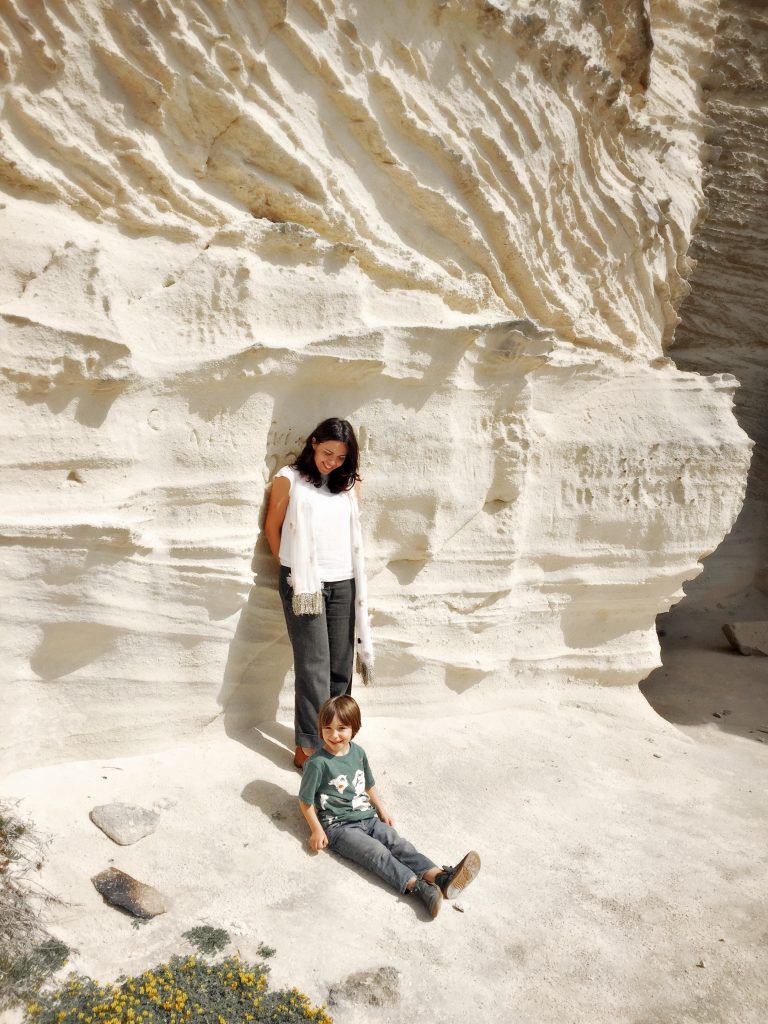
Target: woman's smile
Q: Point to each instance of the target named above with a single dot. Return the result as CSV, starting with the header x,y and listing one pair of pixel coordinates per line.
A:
x,y
329,455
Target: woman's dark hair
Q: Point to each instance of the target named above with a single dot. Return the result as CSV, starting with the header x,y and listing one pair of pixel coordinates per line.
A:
x,y
343,707
343,478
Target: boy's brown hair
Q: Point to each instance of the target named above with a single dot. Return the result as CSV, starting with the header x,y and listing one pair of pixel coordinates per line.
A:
x,y
345,708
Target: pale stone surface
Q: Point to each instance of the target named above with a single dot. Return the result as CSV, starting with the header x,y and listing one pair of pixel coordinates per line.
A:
x,y
618,852
464,226
124,823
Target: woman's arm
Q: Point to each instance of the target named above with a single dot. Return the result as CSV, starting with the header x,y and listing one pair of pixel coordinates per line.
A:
x,y
318,840
278,506
373,796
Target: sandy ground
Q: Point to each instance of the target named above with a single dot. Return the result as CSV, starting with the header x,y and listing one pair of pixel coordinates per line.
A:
x,y
624,862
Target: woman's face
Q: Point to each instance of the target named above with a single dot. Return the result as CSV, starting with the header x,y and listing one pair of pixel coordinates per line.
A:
x,y
329,455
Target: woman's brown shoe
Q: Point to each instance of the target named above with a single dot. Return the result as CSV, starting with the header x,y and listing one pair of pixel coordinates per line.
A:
x,y
299,758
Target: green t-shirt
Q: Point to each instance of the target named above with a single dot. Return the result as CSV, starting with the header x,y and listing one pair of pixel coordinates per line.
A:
x,y
336,785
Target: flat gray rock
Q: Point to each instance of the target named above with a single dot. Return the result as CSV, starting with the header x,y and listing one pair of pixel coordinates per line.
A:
x,y
747,637
125,823
124,891
378,987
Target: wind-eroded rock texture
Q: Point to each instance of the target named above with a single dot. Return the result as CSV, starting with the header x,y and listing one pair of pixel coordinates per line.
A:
x,y
724,322
463,225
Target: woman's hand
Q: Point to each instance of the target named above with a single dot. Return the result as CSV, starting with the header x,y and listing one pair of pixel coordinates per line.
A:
x,y
318,840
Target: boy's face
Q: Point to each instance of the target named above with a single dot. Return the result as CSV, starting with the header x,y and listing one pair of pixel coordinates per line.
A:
x,y
337,737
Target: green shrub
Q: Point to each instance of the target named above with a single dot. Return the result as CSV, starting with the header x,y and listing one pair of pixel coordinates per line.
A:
x,y
186,990
28,954
207,939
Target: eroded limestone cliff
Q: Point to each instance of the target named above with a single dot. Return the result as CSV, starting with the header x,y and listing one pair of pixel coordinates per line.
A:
x,y
724,321
464,225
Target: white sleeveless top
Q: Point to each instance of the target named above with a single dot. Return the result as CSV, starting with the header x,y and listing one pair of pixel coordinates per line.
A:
x,y
331,525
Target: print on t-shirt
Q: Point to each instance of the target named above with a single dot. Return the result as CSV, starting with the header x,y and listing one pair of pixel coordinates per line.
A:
x,y
340,782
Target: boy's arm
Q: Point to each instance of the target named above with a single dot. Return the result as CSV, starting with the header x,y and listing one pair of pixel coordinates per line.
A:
x,y
318,840
377,805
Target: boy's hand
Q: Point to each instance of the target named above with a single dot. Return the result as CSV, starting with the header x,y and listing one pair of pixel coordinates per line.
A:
x,y
318,840
373,796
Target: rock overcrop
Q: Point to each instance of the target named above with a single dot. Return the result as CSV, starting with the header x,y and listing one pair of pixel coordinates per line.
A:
x,y
747,637
125,824
122,890
462,226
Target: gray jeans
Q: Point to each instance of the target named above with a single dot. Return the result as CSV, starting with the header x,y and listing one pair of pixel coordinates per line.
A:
x,y
323,649
378,847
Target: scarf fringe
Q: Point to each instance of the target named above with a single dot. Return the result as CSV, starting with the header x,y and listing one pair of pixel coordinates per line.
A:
x,y
365,671
307,604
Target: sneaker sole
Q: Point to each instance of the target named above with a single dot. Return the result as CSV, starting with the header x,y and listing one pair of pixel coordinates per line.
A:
x,y
466,871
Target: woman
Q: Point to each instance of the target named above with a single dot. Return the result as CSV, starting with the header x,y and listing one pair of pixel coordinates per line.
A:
x,y
313,530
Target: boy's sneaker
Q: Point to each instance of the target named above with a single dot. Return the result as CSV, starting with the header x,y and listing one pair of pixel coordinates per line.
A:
x,y
429,895
452,880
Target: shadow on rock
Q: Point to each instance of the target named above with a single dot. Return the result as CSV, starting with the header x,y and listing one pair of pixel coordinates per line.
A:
x,y
258,662
703,681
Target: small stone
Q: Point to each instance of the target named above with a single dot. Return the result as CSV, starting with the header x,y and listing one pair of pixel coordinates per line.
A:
x,y
378,987
124,823
122,890
747,637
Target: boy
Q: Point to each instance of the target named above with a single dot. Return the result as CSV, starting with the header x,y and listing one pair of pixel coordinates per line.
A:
x,y
339,801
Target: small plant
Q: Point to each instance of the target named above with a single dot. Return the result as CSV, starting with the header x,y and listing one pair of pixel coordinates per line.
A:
x,y
185,990
28,954
207,939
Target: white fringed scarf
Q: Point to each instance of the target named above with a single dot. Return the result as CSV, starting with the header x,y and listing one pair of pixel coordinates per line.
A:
x,y
307,593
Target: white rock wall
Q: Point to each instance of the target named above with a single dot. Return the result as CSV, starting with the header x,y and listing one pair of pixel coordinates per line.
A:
x,y
725,319
463,225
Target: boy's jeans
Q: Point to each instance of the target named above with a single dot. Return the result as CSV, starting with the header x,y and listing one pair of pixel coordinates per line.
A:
x,y
377,846
323,648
